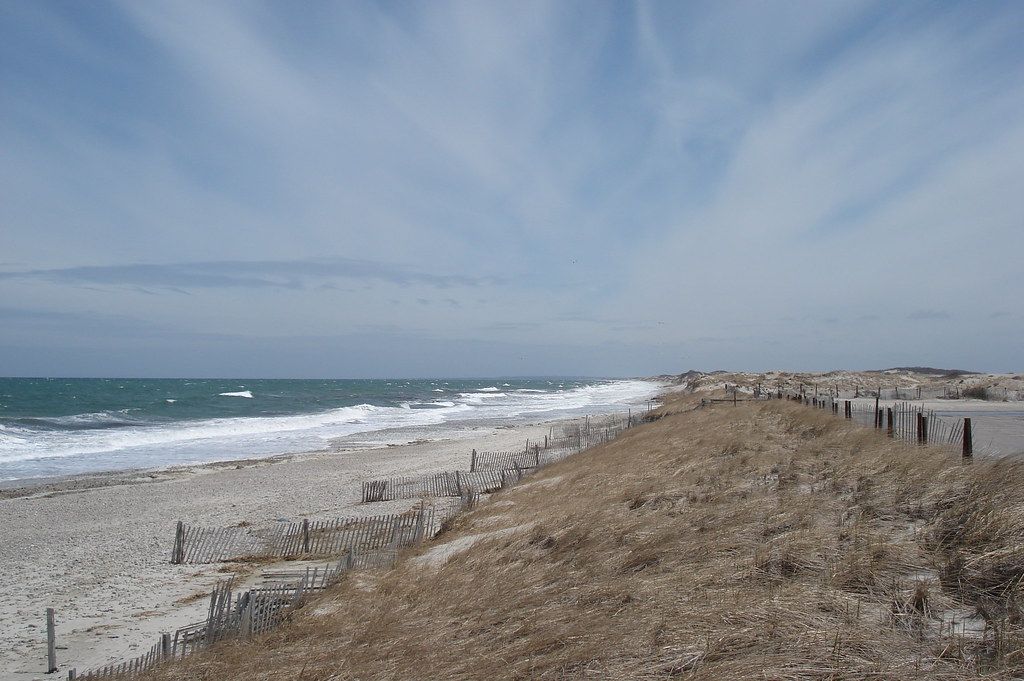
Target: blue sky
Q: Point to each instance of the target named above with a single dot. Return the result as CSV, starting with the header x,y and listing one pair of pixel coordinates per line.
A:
x,y
485,188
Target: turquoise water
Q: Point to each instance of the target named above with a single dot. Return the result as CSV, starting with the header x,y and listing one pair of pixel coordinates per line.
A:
x,y
52,427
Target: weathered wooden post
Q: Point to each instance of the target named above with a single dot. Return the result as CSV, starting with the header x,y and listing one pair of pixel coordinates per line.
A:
x,y
968,439
919,427
51,643
305,535
924,429
165,646
472,461
878,413
72,674
889,415
178,552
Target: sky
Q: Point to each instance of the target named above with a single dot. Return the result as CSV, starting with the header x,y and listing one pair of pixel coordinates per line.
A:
x,y
392,189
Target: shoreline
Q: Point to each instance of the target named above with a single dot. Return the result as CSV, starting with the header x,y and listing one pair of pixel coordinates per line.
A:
x,y
100,447
96,547
388,438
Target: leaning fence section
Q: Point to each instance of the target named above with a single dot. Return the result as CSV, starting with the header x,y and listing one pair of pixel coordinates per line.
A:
x,y
444,484
483,461
310,537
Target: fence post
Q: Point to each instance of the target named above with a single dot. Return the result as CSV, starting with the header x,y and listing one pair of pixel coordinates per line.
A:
x,y
51,643
878,413
472,461
968,439
889,416
165,645
924,429
305,535
178,553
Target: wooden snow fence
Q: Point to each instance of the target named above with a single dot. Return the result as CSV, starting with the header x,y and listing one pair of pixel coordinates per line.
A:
x,y
193,544
317,537
461,484
910,422
567,442
445,484
331,537
485,461
902,421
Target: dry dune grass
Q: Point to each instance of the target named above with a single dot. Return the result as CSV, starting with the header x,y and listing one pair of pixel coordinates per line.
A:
x,y
759,541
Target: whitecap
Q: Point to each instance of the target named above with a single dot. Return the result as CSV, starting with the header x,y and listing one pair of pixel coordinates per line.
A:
x,y
241,393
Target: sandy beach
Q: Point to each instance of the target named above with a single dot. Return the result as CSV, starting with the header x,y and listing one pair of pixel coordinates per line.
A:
x,y
96,548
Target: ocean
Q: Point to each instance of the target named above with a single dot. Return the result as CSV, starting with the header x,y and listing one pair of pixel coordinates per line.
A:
x,y
55,426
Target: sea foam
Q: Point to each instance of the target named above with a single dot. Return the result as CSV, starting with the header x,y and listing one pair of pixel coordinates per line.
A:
x,y
108,441
241,393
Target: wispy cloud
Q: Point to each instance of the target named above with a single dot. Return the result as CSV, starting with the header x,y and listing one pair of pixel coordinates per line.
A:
x,y
294,274
593,173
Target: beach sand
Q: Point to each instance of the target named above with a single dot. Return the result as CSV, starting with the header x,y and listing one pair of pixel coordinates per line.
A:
x,y
97,548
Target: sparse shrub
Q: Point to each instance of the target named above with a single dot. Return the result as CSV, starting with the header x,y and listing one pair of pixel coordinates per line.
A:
x,y
976,392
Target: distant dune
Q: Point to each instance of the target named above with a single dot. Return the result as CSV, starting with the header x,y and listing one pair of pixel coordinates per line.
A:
x,y
902,382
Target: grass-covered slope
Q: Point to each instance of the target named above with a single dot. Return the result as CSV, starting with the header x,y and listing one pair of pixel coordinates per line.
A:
x,y
760,541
